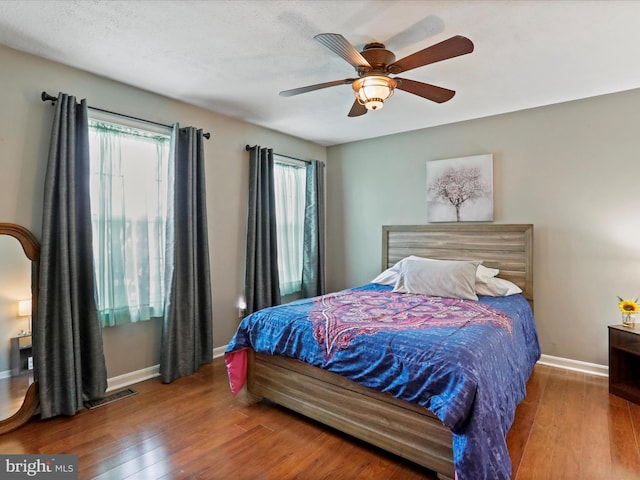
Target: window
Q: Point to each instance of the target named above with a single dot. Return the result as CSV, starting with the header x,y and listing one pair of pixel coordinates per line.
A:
x,y
129,199
290,187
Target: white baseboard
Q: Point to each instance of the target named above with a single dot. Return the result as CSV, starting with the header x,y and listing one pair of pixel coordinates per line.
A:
x,y
5,374
122,381
127,379
574,365
548,360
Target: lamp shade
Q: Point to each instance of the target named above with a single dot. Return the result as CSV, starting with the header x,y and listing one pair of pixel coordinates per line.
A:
x,y
373,90
24,308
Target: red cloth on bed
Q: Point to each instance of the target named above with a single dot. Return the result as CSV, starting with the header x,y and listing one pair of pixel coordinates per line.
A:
x,y
236,369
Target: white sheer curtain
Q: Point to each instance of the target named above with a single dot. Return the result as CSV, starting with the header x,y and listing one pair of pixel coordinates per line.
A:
x,y
289,185
129,181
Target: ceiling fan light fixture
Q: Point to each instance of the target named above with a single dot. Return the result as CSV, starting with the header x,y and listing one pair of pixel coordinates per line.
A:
x,y
373,90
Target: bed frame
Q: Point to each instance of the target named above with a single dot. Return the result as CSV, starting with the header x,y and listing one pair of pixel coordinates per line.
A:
x,y
405,429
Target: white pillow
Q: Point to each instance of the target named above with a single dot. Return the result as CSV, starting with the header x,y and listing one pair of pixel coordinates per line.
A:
x,y
390,275
497,287
486,283
439,278
484,274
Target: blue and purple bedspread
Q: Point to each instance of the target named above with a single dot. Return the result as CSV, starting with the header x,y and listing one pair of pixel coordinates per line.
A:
x,y
467,362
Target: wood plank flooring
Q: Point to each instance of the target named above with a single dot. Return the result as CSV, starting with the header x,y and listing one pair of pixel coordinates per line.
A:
x,y
568,427
12,392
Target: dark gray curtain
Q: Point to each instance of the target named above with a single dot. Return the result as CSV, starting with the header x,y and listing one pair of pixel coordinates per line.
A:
x,y
187,334
69,359
262,285
313,276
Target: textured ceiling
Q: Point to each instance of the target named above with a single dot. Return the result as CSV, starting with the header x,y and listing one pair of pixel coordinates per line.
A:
x,y
233,57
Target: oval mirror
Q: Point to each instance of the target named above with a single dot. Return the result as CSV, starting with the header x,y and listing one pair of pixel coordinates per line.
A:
x,y
19,255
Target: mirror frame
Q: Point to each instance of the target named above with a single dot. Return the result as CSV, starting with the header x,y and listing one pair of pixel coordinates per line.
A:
x,y
31,248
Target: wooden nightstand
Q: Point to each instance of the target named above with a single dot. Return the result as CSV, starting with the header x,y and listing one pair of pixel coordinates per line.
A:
x,y
624,362
21,356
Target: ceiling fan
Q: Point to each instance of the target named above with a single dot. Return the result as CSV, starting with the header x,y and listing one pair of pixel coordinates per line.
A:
x,y
374,65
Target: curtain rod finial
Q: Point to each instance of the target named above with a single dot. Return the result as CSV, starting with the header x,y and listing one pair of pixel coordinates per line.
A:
x,y
46,97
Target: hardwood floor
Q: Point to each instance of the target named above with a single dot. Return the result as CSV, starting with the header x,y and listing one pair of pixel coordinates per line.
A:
x,y
569,427
12,392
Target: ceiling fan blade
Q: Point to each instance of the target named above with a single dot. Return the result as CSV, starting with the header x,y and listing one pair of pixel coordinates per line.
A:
x,y
425,90
341,46
453,47
357,109
317,86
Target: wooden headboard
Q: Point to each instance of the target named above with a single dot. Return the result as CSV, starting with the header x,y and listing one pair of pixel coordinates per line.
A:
x,y
507,247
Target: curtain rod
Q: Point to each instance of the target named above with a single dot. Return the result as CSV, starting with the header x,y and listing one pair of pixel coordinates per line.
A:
x,y
46,98
249,147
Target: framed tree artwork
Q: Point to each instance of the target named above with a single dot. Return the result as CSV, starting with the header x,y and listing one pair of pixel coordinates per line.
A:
x,y
460,189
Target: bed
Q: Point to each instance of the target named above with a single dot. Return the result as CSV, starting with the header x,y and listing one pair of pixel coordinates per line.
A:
x,y
444,425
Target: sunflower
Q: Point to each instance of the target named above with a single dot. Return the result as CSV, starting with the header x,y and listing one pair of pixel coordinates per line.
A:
x,y
628,307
